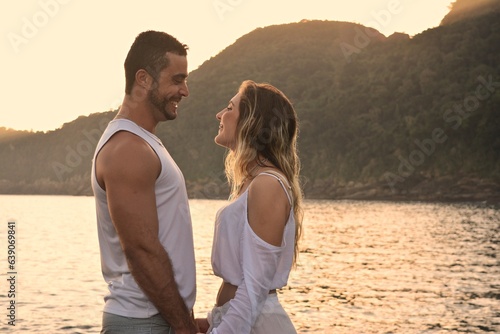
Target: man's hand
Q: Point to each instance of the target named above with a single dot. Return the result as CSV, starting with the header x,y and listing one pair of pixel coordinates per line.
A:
x,y
203,324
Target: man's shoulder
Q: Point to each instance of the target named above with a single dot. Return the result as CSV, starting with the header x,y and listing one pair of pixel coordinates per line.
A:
x,y
124,147
127,141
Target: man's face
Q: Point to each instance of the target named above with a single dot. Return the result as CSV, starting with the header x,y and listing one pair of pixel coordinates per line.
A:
x,y
170,88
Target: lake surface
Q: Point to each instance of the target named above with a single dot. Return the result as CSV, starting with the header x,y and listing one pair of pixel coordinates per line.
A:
x,y
365,267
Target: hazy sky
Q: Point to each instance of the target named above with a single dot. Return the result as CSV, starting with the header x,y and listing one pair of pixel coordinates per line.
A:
x,y
64,58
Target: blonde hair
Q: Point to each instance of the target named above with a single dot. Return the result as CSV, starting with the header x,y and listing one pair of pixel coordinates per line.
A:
x,y
267,127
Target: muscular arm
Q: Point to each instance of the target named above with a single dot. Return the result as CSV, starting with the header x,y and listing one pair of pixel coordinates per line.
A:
x,y
127,169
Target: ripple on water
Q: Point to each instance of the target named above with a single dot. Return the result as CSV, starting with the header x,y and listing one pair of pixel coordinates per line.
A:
x,y
365,267
399,268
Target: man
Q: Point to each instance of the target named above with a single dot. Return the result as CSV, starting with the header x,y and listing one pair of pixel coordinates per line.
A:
x,y
144,224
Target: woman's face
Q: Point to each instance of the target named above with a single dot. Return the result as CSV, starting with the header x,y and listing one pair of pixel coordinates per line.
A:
x,y
228,118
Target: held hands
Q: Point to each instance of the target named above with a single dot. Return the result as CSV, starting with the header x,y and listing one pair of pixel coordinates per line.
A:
x,y
203,324
191,327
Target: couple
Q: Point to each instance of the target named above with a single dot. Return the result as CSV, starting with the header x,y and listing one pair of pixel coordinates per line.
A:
x,y
144,224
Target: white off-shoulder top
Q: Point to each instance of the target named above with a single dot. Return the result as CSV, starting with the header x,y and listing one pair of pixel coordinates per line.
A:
x,y
240,257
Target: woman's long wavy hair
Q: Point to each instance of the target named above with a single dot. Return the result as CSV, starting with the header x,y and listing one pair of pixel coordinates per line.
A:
x,y
268,128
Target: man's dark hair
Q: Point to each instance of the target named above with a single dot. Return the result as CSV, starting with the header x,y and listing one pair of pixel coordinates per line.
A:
x,y
149,53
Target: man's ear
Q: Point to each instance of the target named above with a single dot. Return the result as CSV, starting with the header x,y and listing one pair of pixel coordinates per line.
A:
x,y
144,79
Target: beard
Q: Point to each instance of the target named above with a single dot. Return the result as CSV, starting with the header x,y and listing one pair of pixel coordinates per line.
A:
x,y
163,104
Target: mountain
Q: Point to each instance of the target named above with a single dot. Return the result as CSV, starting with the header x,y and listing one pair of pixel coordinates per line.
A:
x,y
55,162
7,134
393,117
467,9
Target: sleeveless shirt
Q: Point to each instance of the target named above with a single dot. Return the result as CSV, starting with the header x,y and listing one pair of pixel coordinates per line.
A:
x,y
125,297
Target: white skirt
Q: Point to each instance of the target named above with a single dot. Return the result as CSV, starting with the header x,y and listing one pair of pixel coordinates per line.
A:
x,y
272,319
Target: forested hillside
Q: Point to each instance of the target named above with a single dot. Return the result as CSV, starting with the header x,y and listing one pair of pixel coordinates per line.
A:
x,y
381,118
467,9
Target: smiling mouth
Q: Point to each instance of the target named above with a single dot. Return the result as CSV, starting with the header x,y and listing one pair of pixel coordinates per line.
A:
x,y
174,101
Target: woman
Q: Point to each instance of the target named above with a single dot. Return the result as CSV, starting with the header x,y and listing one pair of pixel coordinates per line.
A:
x,y
256,234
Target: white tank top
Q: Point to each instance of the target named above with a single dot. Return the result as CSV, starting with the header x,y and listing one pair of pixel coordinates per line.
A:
x,y
242,258
125,298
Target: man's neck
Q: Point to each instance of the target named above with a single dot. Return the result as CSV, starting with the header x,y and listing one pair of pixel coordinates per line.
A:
x,y
137,112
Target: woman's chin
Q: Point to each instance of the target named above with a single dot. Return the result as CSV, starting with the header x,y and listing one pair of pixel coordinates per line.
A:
x,y
221,142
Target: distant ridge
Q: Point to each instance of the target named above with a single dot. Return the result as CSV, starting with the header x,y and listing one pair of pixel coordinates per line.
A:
x,y
468,9
7,134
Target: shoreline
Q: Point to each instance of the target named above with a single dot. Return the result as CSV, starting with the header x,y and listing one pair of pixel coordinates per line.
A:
x,y
443,189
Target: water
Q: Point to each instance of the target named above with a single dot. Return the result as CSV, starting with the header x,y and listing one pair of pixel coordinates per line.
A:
x,y
365,267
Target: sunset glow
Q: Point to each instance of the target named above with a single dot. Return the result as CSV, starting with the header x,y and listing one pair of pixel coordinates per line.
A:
x,y
64,58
